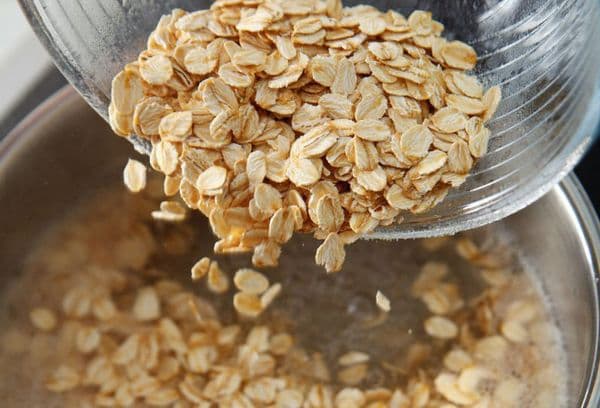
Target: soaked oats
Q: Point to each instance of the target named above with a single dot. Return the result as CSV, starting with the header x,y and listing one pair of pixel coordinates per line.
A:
x,y
353,357
382,302
43,319
440,327
105,327
303,117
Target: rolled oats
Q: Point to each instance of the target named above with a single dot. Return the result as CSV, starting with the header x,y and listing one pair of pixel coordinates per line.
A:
x,y
509,392
470,379
156,70
350,397
331,253
217,281
127,90
514,331
283,223
289,399
353,375
345,79
103,308
347,94
250,281
449,119
200,268
447,385
146,305
352,358
465,104
459,55
382,302
247,304
134,176
137,338
459,158
166,156
212,180
492,348
372,130
442,299
162,397
170,211
415,142
456,360
491,100
87,339
270,294
256,167
468,85
43,319
441,327
336,106
64,378
176,126
478,143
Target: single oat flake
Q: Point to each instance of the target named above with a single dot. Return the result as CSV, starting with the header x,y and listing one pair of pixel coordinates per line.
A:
x,y
134,176
441,327
43,319
382,302
247,103
250,281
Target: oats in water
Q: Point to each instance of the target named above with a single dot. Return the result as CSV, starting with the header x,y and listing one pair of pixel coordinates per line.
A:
x,y
273,118
123,327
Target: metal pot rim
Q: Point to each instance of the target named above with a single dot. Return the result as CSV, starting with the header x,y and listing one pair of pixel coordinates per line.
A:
x,y
569,190
589,232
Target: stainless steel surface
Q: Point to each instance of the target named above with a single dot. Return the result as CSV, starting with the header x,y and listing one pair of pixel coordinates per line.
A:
x,y
544,53
60,152
63,152
558,235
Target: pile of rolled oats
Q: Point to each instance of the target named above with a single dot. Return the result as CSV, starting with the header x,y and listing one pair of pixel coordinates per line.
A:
x,y
105,325
281,116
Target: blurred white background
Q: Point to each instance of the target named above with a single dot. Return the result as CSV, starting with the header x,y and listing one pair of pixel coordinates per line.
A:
x,y
22,58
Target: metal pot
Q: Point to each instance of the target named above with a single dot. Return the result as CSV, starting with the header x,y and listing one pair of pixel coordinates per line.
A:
x,y
63,151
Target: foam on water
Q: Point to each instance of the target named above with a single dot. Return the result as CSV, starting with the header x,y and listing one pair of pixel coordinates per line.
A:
x,y
557,354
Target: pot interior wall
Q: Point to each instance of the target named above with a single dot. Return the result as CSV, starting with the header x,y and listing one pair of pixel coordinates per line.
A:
x,y
61,153
555,245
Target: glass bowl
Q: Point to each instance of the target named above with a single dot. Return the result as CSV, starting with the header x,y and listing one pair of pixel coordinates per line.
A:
x,y
544,53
